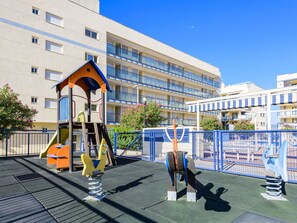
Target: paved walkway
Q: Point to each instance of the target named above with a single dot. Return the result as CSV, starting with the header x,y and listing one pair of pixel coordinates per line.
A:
x,y
136,192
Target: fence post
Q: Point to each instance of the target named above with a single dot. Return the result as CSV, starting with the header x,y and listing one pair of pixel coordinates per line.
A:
x,y
115,143
6,143
215,147
194,146
48,138
151,146
28,144
221,150
154,147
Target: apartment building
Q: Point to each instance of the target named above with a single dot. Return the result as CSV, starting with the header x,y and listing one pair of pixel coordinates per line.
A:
x,y
255,115
287,113
44,41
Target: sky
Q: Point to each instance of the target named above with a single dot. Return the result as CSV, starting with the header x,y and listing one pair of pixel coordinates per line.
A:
x,y
248,40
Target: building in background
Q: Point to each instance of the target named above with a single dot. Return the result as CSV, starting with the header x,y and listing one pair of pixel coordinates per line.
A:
x,y
43,41
287,113
255,115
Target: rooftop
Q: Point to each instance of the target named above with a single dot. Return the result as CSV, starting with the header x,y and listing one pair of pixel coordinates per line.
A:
x,y
136,192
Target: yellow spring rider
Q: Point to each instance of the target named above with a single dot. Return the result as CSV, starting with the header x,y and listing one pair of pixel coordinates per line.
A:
x,y
94,169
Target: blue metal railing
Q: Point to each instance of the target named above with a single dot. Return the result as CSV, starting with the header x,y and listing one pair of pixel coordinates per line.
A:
x,y
235,152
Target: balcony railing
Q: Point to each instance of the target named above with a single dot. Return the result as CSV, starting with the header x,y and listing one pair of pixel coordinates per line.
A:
x,y
168,104
287,114
122,74
149,61
153,63
184,122
113,117
154,82
122,97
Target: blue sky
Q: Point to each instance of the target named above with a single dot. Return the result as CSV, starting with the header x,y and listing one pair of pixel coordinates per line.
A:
x,y
248,40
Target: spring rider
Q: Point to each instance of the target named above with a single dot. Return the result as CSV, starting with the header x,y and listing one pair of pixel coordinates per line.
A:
x,y
275,162
94,169
179,164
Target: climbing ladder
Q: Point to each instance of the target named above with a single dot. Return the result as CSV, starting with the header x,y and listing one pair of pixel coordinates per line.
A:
x,y
92,134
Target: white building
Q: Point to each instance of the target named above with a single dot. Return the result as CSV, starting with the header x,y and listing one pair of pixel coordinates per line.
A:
x,y
287,113
254,115
43,41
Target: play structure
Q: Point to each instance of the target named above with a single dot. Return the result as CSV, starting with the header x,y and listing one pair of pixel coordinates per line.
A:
x,y
94,169
60,150
275,162
178,163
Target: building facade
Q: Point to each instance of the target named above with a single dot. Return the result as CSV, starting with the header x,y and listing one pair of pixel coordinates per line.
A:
x,y
44,41
253,115
287,113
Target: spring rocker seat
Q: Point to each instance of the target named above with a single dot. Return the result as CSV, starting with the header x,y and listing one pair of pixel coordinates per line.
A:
x,y
94,169
276,168
179,164
58,156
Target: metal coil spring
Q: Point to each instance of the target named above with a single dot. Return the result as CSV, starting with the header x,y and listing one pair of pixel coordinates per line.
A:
x,y
95,187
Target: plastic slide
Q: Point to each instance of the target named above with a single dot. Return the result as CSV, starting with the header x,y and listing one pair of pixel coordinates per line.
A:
x,y
64,137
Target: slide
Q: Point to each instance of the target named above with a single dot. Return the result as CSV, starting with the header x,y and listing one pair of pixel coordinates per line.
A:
x,y
64,137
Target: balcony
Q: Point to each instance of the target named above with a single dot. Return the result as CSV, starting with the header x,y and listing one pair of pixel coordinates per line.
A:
x,y
154,83
167,104
160,65
154,63
113,118
122,74
184,122
122,97
287,114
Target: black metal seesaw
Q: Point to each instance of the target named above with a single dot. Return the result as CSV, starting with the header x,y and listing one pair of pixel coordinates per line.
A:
x,y
178,163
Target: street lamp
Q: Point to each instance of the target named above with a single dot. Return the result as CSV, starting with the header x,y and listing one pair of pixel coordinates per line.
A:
x,y
144,110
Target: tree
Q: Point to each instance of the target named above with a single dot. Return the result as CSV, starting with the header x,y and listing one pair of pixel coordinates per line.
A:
x,y
209,123
133,118
14,114
244,125
132,122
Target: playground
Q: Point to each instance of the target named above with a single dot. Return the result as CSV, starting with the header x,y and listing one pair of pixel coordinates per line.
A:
x,y
77,177
136,192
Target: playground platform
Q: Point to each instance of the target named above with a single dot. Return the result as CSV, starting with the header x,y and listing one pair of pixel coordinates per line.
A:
x,y
136,192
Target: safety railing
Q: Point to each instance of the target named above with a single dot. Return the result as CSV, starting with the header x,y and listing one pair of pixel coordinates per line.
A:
x,y
23,143
235,152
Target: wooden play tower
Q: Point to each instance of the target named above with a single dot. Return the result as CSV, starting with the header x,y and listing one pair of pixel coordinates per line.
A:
x,y
89,78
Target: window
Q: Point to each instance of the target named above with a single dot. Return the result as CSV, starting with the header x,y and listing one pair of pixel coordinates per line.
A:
x,y
91,33
34,100
34,70
134,53
93,107
89,56
50,103
54,47
124,49
34,39
53,75
35,11
53,19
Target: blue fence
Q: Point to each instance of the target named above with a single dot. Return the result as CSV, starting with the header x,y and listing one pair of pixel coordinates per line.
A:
x,y
236,152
